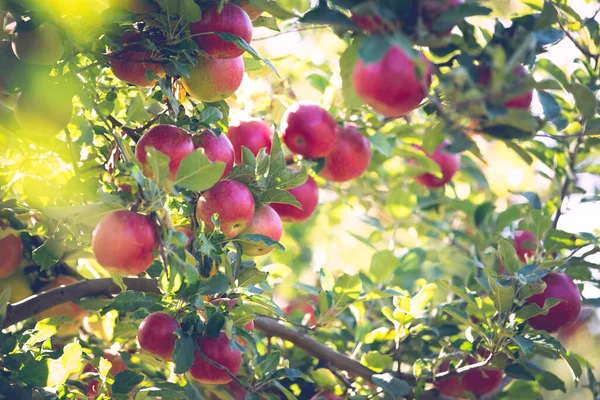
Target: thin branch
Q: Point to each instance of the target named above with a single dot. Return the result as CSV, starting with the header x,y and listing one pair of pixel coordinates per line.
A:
x,y
341,377
308,28
582,49
222,368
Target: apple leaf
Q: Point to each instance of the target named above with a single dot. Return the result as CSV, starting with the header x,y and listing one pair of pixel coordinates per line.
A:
x,y
289,178
250,276
242,44
217,283
131,301
183,355
503,296
266,22
396,388
584,99
255,238
383,264
532,309
196,172
279,196
4,298
125,381
456,14
159,166
508,255
48,253
325,15
347,62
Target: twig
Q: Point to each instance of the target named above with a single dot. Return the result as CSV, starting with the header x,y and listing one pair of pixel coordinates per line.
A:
x,y
582,49
341,377
222,368
306,327
308,28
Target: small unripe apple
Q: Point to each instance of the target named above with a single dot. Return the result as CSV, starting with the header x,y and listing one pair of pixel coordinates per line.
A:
x,y
233,202
565,313
350,156
19,285
44,109
526,244
42,45
307,195
216,149
478,381
124,241
254,135
523,101
309,130
68,309
219,351
231,19
130,64
11,249
213,80
266,222
392,85
448,162
156,334
327,396
252,12
170,140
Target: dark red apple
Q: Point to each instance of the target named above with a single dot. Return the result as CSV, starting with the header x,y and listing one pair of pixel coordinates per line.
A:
x,y
565,313
124,241
448,162
214,79
231,19
393,86
42,45
156,334
522,101
252,12
307,195
130,64
326,395
478,381
350,156
11,249
526,244
309,130
232,201
219,351
266,222
254,135
170,140
216,149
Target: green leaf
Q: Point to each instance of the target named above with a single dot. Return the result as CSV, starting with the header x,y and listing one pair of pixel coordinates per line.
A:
x,y
549,104
508,255
279,196
376,361
526,345
189,10
248,157
126,380
241,315
325,15
396,388
373,48
419,302
584,98
242,44
266,22
546,18
183,355
401,202
196,172
217,283
462,293
35,372
130,301
456,14
269,364
48,254
348,60
290,178
250,276
383,264
347,288
159,165
503,296
380,142
255,238
4,298
546,379
531,310
533,198
276,161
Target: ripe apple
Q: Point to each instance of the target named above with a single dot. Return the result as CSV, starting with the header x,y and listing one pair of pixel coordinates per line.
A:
x,y
156,334
44,109
170,140
42,45
309,130
134,6
395,85
254,135
565,313
215,79
252,12
232,201
297,307
19,286
68,309
433,9
216,149
231,19
307,195
219,351
522,101
326,395
525,244
478,381
124,241
266,222
189,234
11,249
448,162
117,362
350,156
130,64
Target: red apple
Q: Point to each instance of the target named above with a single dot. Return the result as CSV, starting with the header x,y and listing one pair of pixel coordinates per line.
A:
x,y
44,109
266,222
216,149
295,307
156,334
522,101
232,201
170,140
526,244
433,9
117,362
216,79
307,195
366,17
254,135
231,19
188,233
565,313
350,156
448,162
11,249
478,381
219,351
130,64
309,130
124,241
68,309
393,86
252,12
42,45
326,395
